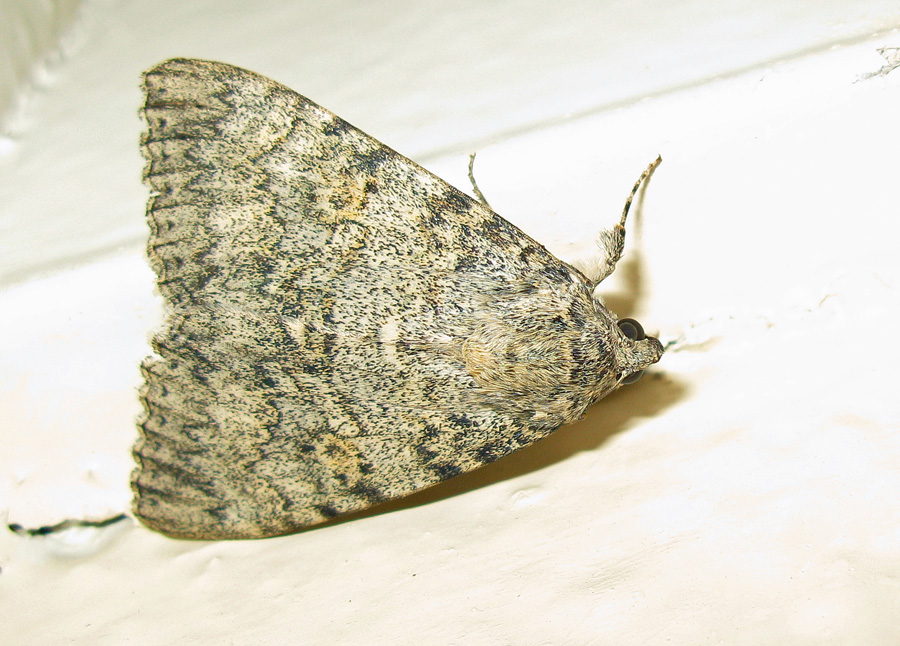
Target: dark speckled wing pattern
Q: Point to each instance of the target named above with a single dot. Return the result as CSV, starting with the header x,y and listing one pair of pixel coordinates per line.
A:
x,y
343,327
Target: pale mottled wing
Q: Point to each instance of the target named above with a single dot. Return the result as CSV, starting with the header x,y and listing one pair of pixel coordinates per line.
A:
x,y
340,319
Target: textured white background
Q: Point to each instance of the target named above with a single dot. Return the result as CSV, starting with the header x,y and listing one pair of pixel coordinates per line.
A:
x,y
747,492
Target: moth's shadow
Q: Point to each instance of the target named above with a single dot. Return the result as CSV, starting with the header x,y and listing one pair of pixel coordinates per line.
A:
x,y
624,300
649,397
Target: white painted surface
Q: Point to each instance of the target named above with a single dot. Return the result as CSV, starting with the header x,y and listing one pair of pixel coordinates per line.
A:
x,y
746,493
33,35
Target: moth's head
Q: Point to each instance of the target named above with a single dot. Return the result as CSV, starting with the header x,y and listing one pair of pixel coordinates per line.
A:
x,y
636,351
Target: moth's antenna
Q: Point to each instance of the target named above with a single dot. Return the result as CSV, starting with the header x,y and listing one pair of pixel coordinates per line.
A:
x,y
637,185
477,191
612,242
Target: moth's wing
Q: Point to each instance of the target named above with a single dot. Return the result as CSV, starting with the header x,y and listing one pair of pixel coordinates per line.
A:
x,y
324,294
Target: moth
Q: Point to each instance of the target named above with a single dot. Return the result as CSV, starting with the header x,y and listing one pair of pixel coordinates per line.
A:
x,y
343,327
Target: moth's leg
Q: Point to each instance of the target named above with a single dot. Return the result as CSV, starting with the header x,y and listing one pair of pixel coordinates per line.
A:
x,y
475,188
612,242
65,525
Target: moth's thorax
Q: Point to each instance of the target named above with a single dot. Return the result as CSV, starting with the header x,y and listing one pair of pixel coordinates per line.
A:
x,y
557,358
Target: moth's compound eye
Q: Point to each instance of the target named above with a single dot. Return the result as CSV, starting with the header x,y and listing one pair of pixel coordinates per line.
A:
x,y
633,330
633,377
